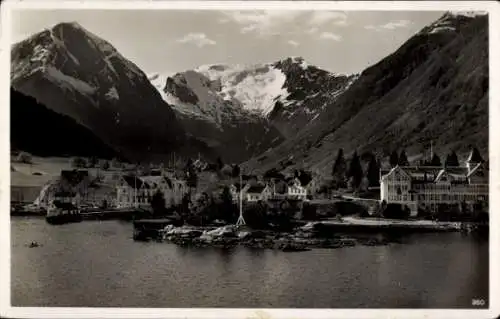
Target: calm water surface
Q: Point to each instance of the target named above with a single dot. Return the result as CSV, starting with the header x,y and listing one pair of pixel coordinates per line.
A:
x,y
97,264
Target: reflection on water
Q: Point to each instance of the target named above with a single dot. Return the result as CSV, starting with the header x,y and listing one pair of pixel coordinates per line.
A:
x,y
97,264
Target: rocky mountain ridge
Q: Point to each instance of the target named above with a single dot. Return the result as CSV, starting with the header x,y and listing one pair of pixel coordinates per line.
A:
x,y
434,88
77,74
288,93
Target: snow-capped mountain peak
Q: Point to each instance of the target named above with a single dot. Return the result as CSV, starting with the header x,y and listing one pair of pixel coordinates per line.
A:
x,y
287,91
254,87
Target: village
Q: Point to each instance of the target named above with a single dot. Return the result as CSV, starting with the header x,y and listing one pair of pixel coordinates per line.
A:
x,y
202,193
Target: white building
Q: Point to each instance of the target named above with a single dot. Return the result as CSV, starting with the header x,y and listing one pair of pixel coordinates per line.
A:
x,y
134,191
257,193
296,189
428,187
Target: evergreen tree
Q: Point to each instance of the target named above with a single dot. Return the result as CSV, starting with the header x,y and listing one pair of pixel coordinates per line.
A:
x,y
105,165
158,203
78,162
92,162
451,160
436,161
186,200
220,164
296,174
191,177
189,164
394,159
403,159
236,170
339,169
226,196
227,205
373,172
355,172
475,156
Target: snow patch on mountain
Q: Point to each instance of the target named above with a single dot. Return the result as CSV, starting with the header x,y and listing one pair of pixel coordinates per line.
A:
x,y
159,80
112,94
255,87
68,82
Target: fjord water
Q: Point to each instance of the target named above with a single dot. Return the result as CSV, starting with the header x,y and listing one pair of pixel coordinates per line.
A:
x,y
97,264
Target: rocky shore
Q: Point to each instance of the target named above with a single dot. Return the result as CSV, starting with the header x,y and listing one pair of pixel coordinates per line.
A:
x,y
304,238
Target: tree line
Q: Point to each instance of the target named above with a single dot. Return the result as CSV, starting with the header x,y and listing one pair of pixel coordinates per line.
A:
x,y
350,174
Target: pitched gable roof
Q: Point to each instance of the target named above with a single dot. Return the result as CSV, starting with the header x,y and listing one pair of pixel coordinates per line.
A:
x,y
155,181
238,186
256,189
133,181
474,156
304,179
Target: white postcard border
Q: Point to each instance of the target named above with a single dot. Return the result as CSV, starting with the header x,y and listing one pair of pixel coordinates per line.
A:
x,y
494,151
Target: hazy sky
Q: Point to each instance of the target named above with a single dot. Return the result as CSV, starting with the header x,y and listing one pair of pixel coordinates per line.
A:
x,y
171,40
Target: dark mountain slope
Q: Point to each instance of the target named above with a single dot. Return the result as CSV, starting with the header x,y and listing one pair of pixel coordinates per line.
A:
x,y
36,129
75,73
433,88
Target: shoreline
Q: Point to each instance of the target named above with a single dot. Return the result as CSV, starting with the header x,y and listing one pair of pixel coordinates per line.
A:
x,y
312,235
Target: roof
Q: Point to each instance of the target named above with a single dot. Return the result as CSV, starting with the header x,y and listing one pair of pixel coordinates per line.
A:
x,y
256,189
238,186
133,181
156,172
429,174
247,177
74,177
304,179
474,156
154,181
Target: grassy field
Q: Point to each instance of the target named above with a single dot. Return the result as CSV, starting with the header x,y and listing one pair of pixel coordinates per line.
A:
x,y
42,170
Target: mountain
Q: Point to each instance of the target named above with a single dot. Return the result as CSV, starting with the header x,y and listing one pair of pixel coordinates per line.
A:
x,y
433,88
249,108
308,90
47,133
77,74
234,132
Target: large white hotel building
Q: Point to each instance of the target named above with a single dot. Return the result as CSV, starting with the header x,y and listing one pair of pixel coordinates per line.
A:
x,y
428,187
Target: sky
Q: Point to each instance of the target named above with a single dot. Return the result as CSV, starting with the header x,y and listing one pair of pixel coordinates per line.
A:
x,y
170,41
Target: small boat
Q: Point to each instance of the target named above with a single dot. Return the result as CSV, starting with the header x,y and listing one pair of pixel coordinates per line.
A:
x,y
34,244
60,213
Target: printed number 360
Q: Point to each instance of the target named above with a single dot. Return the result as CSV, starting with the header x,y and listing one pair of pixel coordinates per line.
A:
x,y
478,302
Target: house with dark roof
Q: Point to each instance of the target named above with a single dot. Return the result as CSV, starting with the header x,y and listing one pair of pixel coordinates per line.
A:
x,y
428,187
